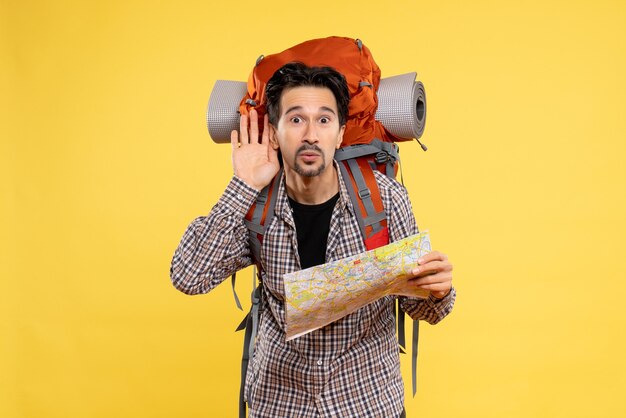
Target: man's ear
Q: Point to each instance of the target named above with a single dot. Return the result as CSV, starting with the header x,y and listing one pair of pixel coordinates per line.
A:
x,y
340,136
272,136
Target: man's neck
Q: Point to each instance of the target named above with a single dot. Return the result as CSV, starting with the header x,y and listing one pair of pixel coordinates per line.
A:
x,y
312,190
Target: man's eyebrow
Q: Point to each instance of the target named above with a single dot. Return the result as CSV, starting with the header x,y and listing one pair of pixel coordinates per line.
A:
x,y
296,108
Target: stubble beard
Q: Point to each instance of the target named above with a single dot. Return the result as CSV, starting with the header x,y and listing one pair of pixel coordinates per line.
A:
x,y
309,172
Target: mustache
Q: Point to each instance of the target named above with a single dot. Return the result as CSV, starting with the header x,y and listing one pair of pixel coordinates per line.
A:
x,y
309,147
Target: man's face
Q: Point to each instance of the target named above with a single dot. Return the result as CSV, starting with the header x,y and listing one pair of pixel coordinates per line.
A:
x,y
308,130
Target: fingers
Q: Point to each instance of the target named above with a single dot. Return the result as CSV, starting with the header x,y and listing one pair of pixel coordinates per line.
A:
x,y
243,129
434,274
234,139
249,132
266,129
432,256
432,267
444,277
254,126
438,285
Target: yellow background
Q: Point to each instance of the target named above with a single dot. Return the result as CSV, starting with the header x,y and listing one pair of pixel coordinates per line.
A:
x,y
105,159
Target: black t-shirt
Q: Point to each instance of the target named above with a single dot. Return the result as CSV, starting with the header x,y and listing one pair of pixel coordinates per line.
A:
x,y
312,227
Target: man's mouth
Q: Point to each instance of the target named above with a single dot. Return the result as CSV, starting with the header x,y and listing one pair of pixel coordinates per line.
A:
x,y
309,155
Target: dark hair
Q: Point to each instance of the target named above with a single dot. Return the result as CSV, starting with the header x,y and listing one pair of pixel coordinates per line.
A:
x,y
297,74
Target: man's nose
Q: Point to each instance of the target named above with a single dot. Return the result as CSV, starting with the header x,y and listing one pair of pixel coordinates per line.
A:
x,y
310,135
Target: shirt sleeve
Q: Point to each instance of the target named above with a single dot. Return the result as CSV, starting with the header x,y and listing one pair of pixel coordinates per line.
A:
x,y
401,225
215,246
431,310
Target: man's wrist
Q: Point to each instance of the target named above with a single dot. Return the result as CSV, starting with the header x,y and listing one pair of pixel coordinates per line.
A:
x,y
239,196
437,296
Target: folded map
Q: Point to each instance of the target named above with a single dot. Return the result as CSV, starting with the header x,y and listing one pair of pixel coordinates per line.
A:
x,y
319,295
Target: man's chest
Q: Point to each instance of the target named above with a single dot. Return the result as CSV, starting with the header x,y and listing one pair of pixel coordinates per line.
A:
x,y
280,249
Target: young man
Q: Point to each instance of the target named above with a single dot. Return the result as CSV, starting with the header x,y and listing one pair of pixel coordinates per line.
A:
x,y
351,367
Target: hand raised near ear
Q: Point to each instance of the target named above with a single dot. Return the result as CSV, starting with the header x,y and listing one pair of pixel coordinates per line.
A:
x,y
254,162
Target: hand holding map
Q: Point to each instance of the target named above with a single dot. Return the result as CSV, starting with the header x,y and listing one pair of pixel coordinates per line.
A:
x,y
319,295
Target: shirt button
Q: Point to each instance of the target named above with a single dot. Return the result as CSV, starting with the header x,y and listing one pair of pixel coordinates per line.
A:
x,y
239,196
320,362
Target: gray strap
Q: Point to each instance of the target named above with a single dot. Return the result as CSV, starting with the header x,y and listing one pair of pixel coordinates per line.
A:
x,y
272,204
353,197
416,336
244,367
364,194
375,218
254,312
394,155
390,169
389,151
385,152
233,278
400,316
260,205
355,151
254,226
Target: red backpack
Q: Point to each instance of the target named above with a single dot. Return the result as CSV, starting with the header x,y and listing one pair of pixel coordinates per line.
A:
x,y
367,146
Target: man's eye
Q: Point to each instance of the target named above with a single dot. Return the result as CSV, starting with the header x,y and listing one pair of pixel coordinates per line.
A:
x,y
324,120
296,119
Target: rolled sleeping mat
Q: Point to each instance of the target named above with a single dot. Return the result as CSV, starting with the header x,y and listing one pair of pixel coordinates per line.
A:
x,y
401,107
222,115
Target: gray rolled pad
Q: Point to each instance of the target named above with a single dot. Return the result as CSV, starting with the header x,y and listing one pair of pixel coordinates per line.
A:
x,y
401,107
222,115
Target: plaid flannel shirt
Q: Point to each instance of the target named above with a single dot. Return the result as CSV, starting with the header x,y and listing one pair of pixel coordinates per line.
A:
x,y
350,368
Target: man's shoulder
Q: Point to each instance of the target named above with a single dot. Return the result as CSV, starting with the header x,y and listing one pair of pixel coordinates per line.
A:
x,y
389,188
386,182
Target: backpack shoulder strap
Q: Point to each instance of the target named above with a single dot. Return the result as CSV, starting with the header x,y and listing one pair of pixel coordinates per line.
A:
x,y
260,215
357,164
365,197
